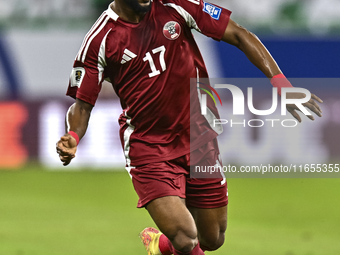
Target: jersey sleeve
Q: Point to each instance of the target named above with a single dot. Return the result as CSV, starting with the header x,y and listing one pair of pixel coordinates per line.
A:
x,y
208,19
88,70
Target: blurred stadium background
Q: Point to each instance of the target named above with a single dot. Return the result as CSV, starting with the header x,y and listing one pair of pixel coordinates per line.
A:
x,y
89,207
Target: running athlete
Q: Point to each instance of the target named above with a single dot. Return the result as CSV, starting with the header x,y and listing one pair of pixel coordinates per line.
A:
x,y
147,51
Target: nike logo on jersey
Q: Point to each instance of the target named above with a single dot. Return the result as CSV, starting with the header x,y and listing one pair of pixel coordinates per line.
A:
x,y
127,56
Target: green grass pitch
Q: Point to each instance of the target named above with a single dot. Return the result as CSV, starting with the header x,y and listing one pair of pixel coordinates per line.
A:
x,y
87,213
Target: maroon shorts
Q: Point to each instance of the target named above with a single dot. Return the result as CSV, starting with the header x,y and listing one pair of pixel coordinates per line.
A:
x,y
172,178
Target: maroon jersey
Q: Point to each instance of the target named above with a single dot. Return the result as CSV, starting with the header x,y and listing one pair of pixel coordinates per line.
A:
x,y
150,64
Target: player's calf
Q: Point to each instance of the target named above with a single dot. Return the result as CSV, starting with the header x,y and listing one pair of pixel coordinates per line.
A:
x,y
211,226
183,242
175,221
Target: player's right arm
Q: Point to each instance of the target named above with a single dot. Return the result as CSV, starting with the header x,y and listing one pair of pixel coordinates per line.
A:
x,y
77,119
85,84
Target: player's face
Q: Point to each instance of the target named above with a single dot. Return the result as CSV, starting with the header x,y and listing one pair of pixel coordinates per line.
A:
x,y
139,6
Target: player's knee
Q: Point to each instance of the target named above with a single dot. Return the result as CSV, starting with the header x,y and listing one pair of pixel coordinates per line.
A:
x,y
213,242
183,241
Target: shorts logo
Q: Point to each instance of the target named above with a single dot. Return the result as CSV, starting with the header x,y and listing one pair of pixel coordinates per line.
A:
x,y
212,10
172,30
77,76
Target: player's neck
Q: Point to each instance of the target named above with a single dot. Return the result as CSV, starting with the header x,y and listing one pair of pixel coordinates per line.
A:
x,y
126,13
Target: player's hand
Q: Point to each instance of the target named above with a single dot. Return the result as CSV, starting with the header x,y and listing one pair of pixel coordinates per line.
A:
x,y
66,148
311,105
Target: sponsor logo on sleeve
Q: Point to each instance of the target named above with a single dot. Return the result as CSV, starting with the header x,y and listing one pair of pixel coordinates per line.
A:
x,y
77,76
212,10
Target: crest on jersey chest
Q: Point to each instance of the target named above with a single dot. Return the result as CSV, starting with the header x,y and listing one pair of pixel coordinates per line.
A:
x,y
172,30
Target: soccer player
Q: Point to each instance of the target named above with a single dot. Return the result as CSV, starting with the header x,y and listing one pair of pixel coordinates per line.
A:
x,y
147,51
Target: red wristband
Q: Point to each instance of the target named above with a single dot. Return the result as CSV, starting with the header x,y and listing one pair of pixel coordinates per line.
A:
x,y
280,81
75,136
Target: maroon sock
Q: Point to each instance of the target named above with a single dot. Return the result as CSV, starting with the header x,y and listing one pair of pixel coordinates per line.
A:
x,y
196,251
165,245
166,248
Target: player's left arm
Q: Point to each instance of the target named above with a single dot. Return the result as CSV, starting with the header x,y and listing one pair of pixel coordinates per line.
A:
x,y
257,53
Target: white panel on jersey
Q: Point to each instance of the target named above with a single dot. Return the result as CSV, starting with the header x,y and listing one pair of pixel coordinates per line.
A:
x,y
128,169
102,58
109,13
112,14
194,1
191,22
92,37
93,28
127,134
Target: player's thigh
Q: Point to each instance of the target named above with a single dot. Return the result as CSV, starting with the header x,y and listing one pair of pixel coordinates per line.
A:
x,y
157,180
